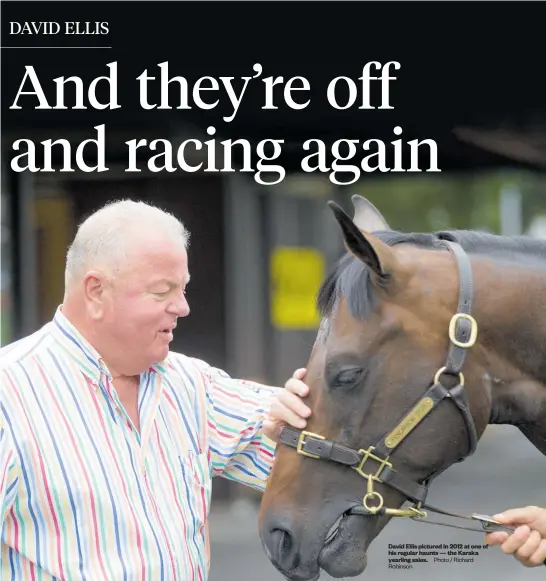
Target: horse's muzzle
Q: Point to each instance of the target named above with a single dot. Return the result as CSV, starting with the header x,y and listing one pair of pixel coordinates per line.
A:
x,y
282,546
299,553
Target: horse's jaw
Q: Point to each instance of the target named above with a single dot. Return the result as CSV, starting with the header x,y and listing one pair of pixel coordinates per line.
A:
x,y
517,402
520,403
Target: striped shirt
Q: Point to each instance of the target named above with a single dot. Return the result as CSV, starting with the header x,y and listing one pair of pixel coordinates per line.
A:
x,y
83,495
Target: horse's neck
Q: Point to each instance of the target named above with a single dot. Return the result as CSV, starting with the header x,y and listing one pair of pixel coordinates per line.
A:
x,y
514,322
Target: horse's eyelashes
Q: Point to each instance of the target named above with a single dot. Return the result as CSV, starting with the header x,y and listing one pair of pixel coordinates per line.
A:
x,y
347,378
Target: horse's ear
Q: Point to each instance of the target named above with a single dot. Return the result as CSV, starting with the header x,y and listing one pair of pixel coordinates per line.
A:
x,y
367,217
372,251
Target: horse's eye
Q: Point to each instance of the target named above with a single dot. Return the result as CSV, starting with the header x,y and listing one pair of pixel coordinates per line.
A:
x,y
348,377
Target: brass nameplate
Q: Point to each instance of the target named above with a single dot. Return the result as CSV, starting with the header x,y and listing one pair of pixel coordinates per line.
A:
x,y
409,422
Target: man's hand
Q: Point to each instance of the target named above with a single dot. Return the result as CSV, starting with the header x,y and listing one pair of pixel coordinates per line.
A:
x,y
527,543
287,407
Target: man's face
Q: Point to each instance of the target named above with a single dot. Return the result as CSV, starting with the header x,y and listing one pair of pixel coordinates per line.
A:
x,y
144,301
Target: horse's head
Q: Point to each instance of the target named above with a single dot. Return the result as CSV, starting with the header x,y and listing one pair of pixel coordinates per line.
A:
x,y
383,349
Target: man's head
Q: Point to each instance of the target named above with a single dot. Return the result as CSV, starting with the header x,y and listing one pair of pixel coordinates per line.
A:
x,y
126,274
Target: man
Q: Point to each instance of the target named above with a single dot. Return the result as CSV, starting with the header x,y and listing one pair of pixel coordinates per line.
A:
x,y
528,542
108,440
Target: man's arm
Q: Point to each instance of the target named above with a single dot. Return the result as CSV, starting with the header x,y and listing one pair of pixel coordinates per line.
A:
x,y
236,412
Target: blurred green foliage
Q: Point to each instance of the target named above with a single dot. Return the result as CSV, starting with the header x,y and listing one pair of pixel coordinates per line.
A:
x,y
446,201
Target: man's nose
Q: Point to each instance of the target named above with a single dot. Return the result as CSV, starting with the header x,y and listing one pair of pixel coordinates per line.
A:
x,y
180,307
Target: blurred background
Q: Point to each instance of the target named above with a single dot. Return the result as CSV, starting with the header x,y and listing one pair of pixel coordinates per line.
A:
x,y
259,253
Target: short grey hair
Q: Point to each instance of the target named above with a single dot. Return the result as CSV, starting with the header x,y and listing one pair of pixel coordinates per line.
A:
x,y
101,240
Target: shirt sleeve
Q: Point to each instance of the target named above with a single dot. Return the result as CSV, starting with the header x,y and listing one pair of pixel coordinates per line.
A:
x,y
236,410
9,471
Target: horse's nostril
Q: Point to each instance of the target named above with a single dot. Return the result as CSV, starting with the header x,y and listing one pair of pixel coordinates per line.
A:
x,y
284,549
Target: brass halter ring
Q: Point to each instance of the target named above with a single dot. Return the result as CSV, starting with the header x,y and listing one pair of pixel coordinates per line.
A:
x,y
441,371
372,509
371,493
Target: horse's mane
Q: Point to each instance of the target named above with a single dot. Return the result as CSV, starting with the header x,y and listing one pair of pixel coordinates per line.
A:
x,y
350,277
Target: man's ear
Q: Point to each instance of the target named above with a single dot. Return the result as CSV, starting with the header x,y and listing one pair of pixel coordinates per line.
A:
x,y
377,255
93,288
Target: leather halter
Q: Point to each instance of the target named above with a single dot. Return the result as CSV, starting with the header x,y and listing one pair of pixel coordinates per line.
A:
x,y
463,331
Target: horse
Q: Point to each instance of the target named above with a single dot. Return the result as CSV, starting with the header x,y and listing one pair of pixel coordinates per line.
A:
x,y
424,340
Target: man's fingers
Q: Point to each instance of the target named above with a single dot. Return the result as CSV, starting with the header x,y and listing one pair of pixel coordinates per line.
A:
x,y
539,556
282,413
294,403
529,547
520,516
516,540
296,386
526,544
496,538
291,402
300,373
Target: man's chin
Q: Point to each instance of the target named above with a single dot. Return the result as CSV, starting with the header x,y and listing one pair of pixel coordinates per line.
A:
x,y
162,354
158,355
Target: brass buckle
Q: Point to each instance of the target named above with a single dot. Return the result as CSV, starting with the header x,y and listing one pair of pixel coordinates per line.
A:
x,y
301,442
367,455
473,331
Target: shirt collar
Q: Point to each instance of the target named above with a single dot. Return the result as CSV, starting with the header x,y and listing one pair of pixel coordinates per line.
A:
x,y
86,355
